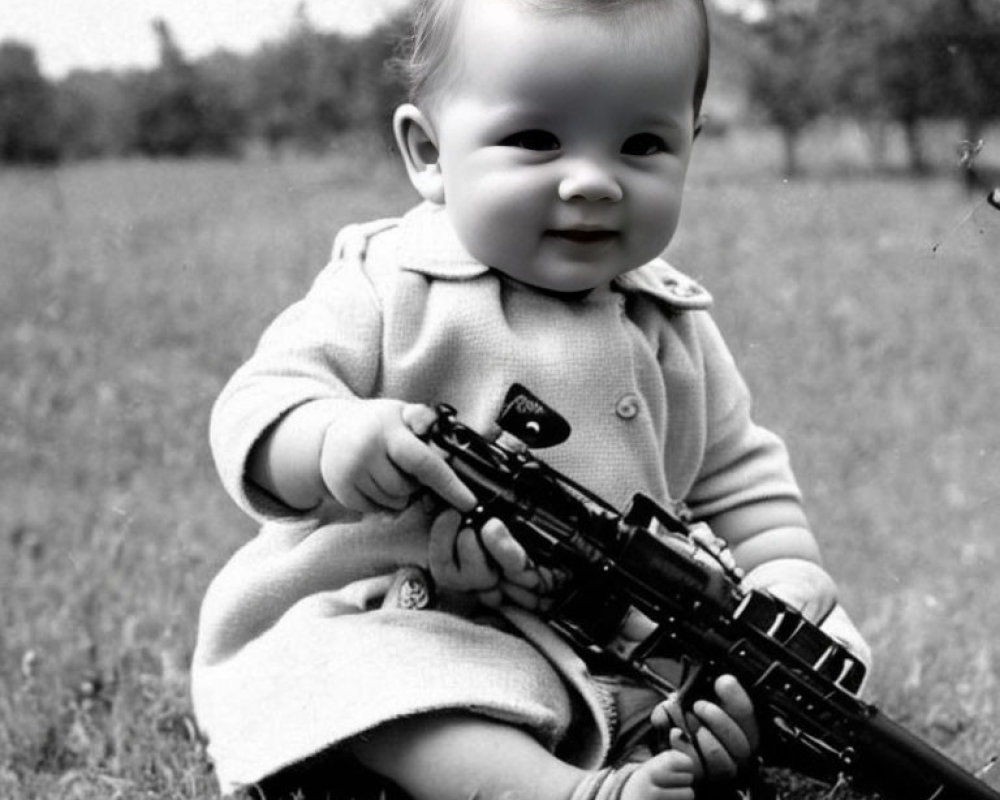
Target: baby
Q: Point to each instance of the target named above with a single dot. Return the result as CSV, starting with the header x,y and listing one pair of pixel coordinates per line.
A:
x,y
549,140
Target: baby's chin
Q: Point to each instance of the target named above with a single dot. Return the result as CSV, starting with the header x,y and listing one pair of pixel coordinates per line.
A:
x,y
567,278
566,290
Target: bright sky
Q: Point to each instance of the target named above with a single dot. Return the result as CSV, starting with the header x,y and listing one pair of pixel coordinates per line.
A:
x,y
93,34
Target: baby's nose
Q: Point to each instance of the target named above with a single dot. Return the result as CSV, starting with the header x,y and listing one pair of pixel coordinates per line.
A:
x,y
589,180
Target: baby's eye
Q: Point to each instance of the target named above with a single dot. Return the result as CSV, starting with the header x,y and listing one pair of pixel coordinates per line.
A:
x,y
644,144
531,140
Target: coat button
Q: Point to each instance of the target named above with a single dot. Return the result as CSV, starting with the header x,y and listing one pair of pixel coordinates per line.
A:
x,y
627,406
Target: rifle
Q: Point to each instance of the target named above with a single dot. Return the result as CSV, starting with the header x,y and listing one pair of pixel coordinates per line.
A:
x,y
648,561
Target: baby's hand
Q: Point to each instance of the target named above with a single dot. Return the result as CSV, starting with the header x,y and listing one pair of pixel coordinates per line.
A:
x,y
726,735
374,459
802,584
490,563
806,586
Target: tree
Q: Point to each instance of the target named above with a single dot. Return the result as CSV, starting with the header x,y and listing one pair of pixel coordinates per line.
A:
x,y
879,68
925,59
94,116
969,32
307,87
899,61
27,108
785,77
180,112
381,86
310,86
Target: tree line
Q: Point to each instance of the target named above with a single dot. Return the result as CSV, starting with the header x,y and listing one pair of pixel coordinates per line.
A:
x,y
300,90
896,61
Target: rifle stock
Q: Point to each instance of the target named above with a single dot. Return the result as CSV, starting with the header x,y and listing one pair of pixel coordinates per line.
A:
x,y
645,561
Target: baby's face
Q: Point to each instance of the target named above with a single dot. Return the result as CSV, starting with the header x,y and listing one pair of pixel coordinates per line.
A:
x,y
563,143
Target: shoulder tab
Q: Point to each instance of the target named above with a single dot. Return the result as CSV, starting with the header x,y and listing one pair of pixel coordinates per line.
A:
x,y
669,285
351,242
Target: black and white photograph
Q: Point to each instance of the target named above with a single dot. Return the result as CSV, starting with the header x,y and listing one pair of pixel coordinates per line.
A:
x,y
500,400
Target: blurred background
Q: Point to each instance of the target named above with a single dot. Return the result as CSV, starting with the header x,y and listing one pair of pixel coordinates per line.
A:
x,y
156,212
790,64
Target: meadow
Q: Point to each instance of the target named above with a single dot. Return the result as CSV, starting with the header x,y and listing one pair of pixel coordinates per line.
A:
x,y
863,309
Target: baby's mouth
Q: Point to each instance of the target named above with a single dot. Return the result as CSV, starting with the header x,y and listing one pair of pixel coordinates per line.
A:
x,y
584,235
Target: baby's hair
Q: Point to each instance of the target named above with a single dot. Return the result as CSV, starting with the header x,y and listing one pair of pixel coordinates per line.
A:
x,y
434,23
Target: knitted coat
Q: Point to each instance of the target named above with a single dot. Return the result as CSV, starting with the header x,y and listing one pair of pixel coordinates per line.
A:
x,y
293,653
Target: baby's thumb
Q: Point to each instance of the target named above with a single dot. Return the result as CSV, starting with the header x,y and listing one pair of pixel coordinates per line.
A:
x,y
418,418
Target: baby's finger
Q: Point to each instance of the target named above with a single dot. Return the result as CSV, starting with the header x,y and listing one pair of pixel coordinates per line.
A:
x,y
528,579
418,418
521,596
391,481
427,465
350,496
473,562
737,704
671,769
507,553
718,761
491,597
721,737
679,742
550,580
711,759
385,487
441,548
379,499
419,460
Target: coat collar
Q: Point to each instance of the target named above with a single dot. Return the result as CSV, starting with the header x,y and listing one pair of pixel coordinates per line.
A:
x,y
429,245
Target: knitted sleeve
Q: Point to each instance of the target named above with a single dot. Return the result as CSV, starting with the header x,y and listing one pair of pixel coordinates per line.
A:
x,y
325,346
743,463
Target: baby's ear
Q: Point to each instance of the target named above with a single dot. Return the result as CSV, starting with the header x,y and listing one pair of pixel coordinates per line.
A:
x,y
699,124
418,146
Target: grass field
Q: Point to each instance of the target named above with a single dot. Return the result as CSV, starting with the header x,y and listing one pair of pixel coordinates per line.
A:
x,y
131,290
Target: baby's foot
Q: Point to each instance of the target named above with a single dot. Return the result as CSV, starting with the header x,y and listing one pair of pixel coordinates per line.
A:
x,y
666,776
